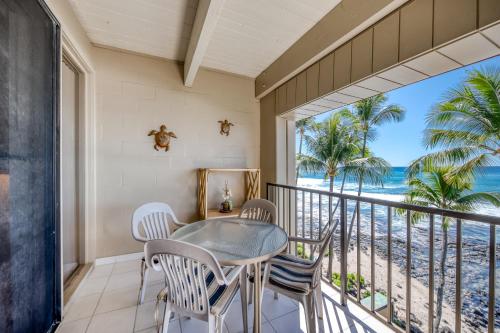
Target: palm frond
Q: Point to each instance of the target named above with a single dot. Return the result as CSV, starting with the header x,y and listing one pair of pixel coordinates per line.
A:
x,y
311,164
474,199
371,170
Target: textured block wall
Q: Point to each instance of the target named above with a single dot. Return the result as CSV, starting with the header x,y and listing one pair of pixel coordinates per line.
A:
x,y
136,94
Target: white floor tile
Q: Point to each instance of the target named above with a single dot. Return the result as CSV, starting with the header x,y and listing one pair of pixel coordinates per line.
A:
x,y
173,327
152,290
118,299
194,326
77,326
122,281
146,315
337,317
274,308
101,271
110,295
289,323
368,325
119,321
127,266
265,328
234,317
82,307
92,286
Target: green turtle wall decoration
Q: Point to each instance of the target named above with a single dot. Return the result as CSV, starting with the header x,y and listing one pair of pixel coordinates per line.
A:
x,y
162,138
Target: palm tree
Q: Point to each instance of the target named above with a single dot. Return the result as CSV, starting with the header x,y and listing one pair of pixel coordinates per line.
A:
x,y
365,117
466,125
333,148
434,189
302,126
369,114
329,147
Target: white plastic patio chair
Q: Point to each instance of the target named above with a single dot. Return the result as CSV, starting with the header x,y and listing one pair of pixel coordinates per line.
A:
x,y
151,221
300,279
196,285
259,209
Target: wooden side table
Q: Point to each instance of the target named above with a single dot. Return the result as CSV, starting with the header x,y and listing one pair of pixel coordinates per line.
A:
x,y
252,191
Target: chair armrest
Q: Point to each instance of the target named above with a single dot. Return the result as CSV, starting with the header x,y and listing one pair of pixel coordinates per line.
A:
x,y
179,224
305,240
233,274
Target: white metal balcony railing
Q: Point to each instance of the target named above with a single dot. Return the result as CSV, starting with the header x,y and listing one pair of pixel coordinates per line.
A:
x,y
372,255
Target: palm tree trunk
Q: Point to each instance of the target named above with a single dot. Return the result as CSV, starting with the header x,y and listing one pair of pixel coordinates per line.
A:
x,y
331,183
341,191
343,183
363,152
360,186
441,285
300,152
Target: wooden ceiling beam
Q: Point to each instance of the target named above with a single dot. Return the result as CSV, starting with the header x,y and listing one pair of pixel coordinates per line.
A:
x,y
207,15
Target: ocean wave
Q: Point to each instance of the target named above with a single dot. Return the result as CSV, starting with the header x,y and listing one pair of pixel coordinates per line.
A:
x,y
351,189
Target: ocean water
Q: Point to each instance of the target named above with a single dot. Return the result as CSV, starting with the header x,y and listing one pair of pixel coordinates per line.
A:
x,y
395,186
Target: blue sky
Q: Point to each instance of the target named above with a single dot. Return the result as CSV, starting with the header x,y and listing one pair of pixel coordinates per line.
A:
x,y
402,142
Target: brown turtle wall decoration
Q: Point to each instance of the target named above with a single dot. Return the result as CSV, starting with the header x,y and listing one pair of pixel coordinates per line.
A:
x,y
225,127
162,137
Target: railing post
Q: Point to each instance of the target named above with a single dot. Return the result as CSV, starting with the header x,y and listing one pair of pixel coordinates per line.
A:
x,y
372,257
311,248
343,251
296,218
492,281
389,264
330,246
358,251
430,315
458,280
408,271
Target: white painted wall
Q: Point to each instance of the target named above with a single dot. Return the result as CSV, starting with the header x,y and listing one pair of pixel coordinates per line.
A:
x,y
136,94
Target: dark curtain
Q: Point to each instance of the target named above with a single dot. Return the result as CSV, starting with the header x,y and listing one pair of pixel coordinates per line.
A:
x,y
29,253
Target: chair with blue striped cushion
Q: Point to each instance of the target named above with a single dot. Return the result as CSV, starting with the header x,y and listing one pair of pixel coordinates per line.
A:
x,y
196,285
300,279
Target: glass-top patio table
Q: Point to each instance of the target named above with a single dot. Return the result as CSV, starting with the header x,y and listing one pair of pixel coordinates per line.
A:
x,y
235,241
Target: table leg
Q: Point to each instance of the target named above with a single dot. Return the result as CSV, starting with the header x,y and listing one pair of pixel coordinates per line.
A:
x,y
244,295
257,297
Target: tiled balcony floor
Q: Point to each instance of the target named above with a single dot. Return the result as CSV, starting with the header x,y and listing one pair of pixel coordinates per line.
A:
x,y
106,302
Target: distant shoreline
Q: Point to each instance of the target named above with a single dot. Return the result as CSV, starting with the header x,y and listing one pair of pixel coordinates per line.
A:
x,y
395,186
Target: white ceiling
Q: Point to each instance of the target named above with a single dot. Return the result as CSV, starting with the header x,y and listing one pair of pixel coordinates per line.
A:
x,y
155,27
248,37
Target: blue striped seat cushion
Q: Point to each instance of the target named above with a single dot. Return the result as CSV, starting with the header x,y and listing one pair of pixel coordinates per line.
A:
x,y
220,295
288,278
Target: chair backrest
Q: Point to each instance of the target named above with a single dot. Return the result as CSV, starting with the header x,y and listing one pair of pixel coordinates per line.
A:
x,y
186,267
260,210
150,221
326,237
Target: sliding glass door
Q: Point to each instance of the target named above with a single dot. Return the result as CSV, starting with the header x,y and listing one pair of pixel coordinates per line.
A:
x,y
29,227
